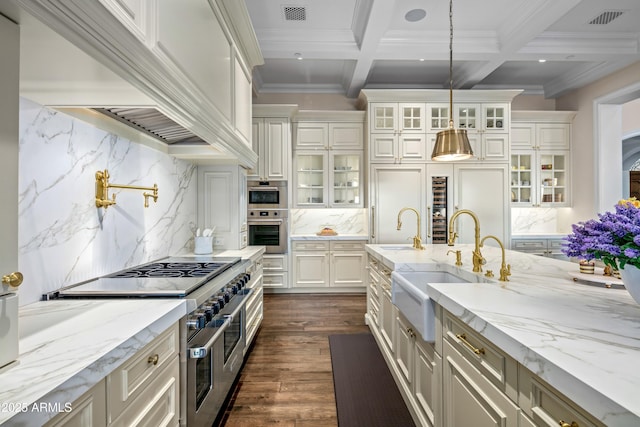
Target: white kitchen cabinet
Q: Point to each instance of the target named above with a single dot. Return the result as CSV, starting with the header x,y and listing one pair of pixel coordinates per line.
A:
x,y
548,247
328,136
405,148
482,188
9,108
346,136
143,391
548,407
254,306
540,178
222,203
541,158
396,118
310,264
419,368
328,179
271,139
325,263
348,261
393,187
275,271
469,399
374,291
89,410
148,377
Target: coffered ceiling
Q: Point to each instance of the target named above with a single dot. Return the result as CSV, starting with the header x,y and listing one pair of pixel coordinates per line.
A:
x,y
342,46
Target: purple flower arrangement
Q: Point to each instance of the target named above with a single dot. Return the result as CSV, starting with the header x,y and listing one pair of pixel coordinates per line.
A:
x,y
613,238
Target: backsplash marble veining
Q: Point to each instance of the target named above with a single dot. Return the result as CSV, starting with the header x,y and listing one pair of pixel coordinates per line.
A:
x,y
539,221
63,238
344,221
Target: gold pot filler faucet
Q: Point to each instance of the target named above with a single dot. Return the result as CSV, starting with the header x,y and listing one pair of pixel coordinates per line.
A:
x,y
417,241
505,270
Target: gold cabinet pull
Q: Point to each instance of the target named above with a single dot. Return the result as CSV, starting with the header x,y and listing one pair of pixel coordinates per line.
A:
x,y
14,279
463,338
562,423
153,360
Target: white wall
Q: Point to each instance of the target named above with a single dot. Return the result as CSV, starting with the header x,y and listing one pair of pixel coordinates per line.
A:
x,y
584,165
63,238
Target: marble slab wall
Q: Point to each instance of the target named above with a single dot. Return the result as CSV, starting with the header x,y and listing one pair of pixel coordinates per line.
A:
x,y
63,238
535,220
344,221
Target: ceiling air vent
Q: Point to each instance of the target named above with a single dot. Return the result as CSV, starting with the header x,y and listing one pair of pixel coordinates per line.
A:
x,y
295,13
605,17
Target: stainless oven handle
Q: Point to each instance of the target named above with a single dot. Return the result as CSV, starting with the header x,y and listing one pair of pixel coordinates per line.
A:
x,y
262,221
263,189
201,352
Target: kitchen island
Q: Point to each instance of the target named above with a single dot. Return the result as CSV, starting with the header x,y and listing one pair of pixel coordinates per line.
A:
x,y
582,340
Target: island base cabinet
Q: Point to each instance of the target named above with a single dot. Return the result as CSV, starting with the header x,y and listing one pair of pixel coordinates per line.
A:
x,y
88,411
428,384
548,407
469,399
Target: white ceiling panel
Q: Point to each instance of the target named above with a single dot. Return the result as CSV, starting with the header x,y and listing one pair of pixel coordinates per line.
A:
x,y
351,44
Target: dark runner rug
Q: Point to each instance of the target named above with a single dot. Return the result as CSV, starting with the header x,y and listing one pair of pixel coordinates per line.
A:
x,y
366,394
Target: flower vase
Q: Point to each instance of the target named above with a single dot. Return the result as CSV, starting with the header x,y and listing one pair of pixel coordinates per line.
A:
x,y
631,280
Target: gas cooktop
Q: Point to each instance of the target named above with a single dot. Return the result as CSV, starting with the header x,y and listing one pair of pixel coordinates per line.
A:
x,y
170,277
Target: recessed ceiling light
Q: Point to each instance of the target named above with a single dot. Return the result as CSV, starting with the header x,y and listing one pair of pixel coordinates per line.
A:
x,y
542,60
298,56
415,15
421,60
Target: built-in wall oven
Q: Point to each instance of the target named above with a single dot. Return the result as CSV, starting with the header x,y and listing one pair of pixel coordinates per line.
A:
x,y
268,227
267,195
212,334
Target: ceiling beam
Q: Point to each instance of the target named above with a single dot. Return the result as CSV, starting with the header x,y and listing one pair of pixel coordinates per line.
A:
x,y
376,26
517,31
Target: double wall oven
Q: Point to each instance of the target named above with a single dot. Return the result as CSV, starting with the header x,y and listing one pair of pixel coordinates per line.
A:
x,y
267,215
212,334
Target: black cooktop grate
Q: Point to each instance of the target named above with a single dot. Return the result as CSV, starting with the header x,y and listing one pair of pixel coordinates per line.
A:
x,y
173,269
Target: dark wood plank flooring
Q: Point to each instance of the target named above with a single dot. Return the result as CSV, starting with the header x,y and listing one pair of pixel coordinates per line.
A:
x,y
287,379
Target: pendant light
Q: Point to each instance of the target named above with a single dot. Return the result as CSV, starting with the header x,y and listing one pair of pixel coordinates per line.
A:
x,y
451,144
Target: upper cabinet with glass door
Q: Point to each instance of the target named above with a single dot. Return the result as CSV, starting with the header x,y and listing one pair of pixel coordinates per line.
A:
x,y
397,118
397,132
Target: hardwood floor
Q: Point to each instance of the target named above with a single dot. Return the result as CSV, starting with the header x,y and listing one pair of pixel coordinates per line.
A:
x,y
287,379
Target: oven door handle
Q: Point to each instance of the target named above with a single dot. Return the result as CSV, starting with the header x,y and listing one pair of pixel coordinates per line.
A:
x,y
263,189
263,221
201,352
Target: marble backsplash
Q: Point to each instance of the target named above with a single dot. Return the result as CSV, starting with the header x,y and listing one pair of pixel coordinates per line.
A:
x,y
539,221
344,221
63,238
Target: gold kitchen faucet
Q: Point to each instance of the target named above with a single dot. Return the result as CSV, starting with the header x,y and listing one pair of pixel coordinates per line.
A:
x,y
478,259
417,241
505,269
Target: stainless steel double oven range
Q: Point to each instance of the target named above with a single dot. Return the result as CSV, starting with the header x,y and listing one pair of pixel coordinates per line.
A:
x,y
267,215
212,335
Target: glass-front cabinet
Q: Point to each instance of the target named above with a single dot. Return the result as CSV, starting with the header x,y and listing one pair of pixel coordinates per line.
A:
x,y
397,118
328,179
540,178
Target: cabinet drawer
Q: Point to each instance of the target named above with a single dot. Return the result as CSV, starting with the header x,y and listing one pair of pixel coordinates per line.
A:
x,y
547,406
274,262
337,245
494,364
87,411
555,244
374,283
311,245
158,405
130,380
275,280
530,245
374,310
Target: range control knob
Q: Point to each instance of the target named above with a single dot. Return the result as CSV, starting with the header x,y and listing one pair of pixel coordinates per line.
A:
x,y
212,306
196,321
221,301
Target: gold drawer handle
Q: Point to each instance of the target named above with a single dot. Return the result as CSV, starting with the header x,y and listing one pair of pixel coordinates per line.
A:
x,y
153,360
565,424
463,338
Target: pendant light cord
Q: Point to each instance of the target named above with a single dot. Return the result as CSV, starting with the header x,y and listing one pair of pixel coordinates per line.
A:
x,y
451,64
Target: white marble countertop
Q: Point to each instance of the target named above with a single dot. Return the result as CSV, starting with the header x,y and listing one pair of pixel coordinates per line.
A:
x,y
583,340
67,346
337,237
539,235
